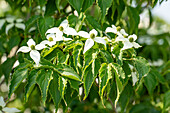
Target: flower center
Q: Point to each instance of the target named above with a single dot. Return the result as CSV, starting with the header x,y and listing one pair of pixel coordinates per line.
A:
x,y
50,39
131,39
118,28
92,36
61,28
125,36
32,47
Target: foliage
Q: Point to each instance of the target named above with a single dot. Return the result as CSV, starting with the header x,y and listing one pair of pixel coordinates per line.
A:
x,y
79,71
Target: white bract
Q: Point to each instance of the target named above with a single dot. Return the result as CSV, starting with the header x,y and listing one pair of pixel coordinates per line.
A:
x,y
6,109
51,39
63,28
32,48
113,29
91,37
2,21
17,24
128,42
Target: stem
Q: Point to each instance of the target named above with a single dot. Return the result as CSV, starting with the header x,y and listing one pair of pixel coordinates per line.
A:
x,y
113,107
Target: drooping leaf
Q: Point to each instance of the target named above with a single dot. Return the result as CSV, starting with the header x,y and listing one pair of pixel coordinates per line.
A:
x,y
166,101
44,24
90,73
67,71
125,96
87,4
93,23
63,69
18,76
50,7
119,86
106,56
150,83
62,85
54,90
105,74
31,81
133,18
76,4
7,67
42,2
57,2
118,70
43,80
31,21
104,7
142,66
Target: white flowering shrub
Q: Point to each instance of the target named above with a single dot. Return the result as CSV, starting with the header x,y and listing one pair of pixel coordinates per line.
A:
x,y
75,52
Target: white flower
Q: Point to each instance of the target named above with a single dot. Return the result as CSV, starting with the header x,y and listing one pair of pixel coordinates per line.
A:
x,y
63,28
6,109
32,48
128,42
51,39
91,37
113,29
11,24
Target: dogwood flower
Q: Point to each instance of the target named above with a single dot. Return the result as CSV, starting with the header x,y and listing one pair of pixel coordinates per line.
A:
x,y
63,28
51,39
113,29
91,37
128,42
6,109
14,22
32,48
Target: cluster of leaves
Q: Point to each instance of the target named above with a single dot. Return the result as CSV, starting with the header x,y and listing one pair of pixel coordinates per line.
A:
x,y
64,69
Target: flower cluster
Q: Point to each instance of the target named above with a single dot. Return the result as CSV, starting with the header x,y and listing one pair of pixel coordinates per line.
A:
x,y
57,34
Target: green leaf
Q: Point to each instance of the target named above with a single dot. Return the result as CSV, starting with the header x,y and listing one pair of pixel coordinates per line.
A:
x,y
62,85
118,70
90,73
105,74
50,8
133,18
67,71
158,76
61,57
42,2
104,7
150,83
166,102
142,66
31,21
119,87
31,81
54,90
62,69
106,56
18,76
89,57
7,67
74,84
76,4
57,2
44,24
76,56
93,23
125,96
87,4
43,80
13,41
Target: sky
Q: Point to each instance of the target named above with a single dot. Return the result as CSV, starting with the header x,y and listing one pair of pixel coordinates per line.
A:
x,y
162,11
